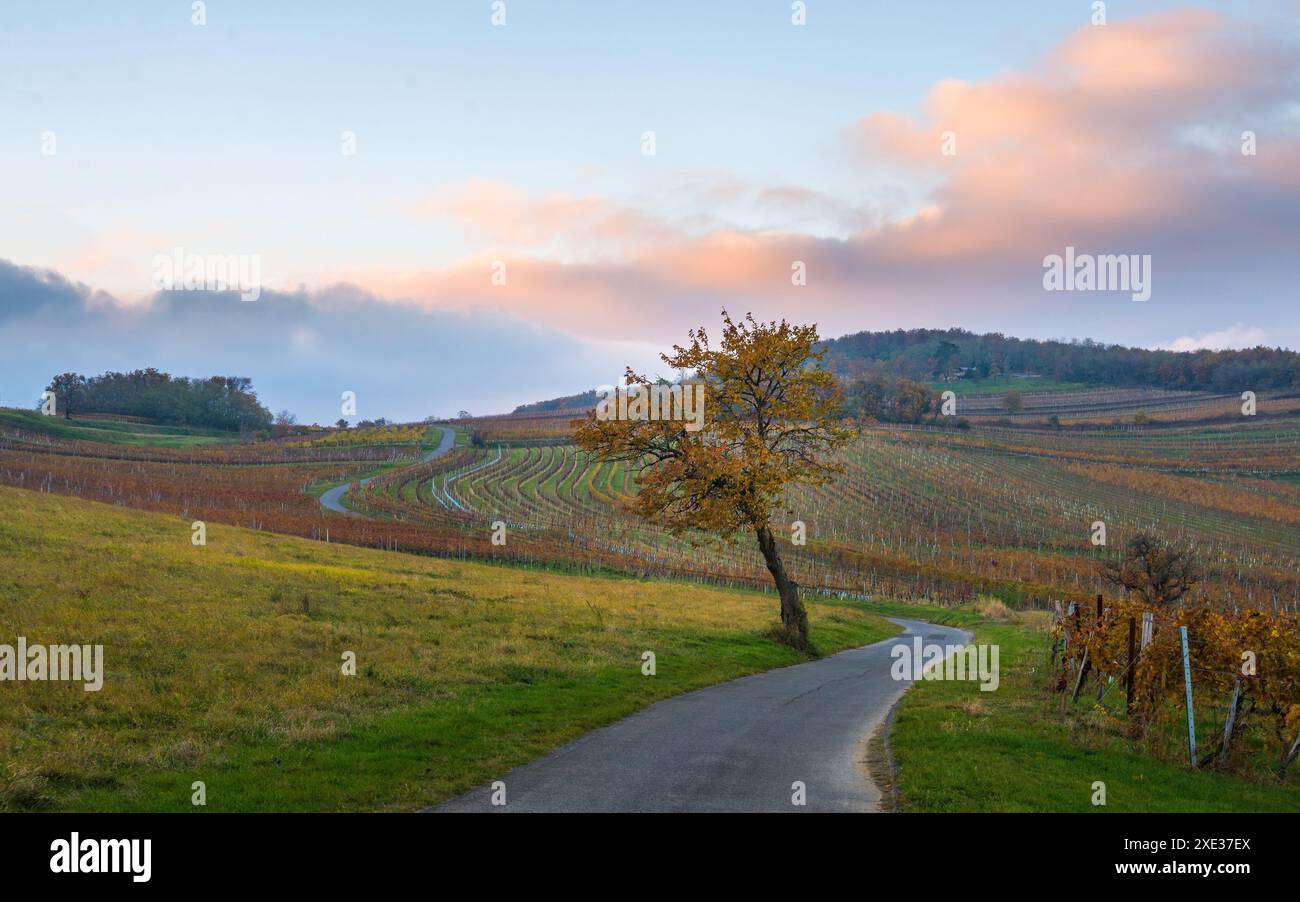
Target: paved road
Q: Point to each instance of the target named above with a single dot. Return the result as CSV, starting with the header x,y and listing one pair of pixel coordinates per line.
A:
x,y
333,499
734,747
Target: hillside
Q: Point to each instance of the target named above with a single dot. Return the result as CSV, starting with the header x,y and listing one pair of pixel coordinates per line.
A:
x,y
1078,379
223,663
924,354
214,402
582,401
112,431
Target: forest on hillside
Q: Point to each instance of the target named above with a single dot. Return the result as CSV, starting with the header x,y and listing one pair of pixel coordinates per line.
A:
x,y
925,354
217,402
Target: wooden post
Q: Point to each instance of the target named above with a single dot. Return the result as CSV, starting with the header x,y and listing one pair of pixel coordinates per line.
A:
x,y
1132,663
1096,631
1056,641
1085,665
1072,629
1289,757
1187,682
1083,675
1228,724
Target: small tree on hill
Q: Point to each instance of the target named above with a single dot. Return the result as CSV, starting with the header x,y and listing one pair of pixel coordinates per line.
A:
x,y
1158,573
69,392
910,402
770,420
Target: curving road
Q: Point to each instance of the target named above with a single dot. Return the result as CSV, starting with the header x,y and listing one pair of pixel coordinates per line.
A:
x,y
333,499
734,747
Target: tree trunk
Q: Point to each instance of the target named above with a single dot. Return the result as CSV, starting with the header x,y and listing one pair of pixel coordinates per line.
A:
x,y
794,619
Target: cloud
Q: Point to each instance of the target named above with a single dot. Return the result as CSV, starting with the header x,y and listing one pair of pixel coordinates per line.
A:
x,y
497,213
1092,145
25,291
302,349
1122,139
1232,338
1125,139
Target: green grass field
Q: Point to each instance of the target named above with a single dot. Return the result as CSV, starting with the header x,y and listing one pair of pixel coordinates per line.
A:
x,y
959,749
114,432
223,663
996,385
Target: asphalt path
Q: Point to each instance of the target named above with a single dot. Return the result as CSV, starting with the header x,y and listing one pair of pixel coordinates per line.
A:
x,y
737,746
333,499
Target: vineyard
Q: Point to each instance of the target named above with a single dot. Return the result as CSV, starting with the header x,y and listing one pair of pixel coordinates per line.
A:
x,y
1081,402
918,512
547,428
1245,665
1118,408
368,435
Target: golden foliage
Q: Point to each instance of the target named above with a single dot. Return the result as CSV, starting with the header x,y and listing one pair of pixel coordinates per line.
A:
x,y
769,420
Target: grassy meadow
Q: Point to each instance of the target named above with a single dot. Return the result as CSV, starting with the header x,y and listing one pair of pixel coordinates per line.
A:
x,y
223,663
996,385
114,432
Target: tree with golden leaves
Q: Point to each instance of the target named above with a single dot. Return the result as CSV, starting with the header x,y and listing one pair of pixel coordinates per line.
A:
x,y
770,420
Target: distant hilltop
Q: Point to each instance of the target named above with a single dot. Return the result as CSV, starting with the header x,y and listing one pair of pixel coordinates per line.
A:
x,y
948,354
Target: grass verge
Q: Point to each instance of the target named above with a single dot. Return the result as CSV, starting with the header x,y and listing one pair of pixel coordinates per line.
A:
x,y
959,749
223,663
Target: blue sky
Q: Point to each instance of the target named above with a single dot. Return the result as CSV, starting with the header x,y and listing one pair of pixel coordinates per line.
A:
x,y
226,139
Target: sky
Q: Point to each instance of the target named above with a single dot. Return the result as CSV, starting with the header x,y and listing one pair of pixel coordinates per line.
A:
x,y
453,204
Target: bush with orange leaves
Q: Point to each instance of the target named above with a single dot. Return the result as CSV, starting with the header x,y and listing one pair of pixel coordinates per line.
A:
x,y
1250,656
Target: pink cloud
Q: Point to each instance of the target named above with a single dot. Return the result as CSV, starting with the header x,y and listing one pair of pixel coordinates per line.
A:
x,y
1088,150
497,213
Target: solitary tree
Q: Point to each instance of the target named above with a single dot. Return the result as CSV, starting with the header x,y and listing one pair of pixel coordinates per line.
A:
x,y
69,391
910,402
769,420
1014,402
1156,572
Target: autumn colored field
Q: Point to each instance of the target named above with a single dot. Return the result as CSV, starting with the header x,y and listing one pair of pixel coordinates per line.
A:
x,y
223,663
918,512
256,620
921,512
